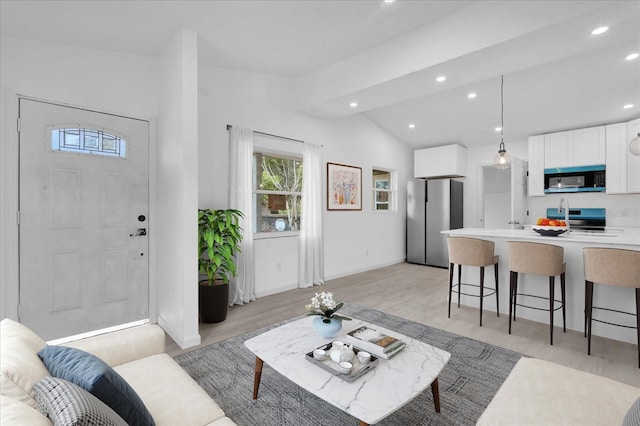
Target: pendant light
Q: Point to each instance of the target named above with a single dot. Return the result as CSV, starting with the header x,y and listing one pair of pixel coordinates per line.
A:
x,y
503,159
634,145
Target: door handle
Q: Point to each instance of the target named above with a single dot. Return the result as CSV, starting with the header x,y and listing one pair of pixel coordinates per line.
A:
x,y
139,232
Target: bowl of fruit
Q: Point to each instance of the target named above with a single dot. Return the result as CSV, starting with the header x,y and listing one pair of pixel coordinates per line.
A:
x,y
550,227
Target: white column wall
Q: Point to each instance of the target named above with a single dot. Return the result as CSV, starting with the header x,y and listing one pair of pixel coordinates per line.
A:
x,y
177,195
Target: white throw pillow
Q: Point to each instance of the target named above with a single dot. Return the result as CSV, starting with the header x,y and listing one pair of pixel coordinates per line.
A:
x,y
69,405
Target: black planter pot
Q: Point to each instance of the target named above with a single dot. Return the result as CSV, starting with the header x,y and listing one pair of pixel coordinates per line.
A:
x,y
213,302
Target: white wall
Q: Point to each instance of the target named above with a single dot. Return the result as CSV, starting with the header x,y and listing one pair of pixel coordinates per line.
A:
x,y
177,195
98,80
94,79
265,103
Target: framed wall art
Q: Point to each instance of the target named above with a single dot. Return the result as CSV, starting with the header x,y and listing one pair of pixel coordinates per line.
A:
x,y
344,187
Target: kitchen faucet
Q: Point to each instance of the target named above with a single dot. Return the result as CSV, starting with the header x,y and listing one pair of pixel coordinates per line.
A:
x,y
565,203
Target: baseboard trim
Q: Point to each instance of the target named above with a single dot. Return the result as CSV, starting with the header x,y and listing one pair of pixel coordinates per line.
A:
x,y
359,270
177,337
276,290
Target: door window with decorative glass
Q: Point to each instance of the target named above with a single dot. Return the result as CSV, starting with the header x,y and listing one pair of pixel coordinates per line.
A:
x,y
383,189
277,190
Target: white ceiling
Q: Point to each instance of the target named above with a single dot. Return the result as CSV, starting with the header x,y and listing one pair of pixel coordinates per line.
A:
x,y
557,75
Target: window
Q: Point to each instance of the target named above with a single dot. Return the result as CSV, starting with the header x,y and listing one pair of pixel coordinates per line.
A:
x,y
277,189
88,141
383,189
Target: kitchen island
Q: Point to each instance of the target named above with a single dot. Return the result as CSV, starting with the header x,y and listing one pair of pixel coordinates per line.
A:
x,y
622,299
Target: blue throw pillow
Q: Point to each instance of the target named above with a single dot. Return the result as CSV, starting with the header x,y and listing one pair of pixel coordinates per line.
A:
x,y
94,375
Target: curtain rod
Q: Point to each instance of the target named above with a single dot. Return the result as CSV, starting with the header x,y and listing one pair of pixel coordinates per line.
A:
x,y
229,126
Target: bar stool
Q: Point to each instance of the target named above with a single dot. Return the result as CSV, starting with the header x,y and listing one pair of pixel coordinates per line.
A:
x,y
472,252
537,259
610,266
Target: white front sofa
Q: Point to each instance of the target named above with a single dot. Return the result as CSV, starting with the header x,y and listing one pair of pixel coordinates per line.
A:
x,y
137,354
540,393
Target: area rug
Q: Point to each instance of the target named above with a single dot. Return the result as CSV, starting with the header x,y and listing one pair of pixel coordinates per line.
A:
x,y
467,384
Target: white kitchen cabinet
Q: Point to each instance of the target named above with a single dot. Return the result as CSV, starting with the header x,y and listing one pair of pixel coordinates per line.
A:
x,y
556,150
440,161
633,161
535,182
582,147
589,146
616,179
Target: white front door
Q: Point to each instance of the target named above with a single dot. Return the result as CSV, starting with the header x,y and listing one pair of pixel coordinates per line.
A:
x,y
83,205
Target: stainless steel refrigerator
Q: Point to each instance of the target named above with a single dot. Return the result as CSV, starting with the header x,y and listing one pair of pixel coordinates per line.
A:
x,y
432,206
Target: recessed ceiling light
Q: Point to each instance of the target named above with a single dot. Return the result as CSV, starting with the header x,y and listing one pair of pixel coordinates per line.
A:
x,y
353,104
389,1
497,129
632,56
627,106
471,95
441,79
599,30
412,126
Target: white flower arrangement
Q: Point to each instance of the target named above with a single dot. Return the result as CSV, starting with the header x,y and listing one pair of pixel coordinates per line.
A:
x,y
323,305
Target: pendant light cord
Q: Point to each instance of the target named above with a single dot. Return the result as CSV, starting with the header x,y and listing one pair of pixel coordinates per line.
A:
x,y
502,112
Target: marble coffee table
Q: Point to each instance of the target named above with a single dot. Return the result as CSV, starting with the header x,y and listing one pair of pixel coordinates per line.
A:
x,y
370,398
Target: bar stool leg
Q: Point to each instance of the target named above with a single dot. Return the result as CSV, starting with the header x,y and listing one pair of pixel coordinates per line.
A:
x,y
589,286
586,303
495,270
564,311
638,321
450,286
515,294
511,296
481,291
551,303
459,282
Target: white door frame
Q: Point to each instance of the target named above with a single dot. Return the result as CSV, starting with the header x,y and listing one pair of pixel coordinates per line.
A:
x,y
9,188
480,219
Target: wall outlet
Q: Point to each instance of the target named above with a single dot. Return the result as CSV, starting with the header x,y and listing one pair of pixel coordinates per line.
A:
x,y
366,252
278,266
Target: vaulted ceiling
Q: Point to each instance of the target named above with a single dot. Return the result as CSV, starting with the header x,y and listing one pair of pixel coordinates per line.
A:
x,y
386,56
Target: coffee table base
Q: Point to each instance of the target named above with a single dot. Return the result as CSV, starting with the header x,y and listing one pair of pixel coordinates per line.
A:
x,y
258,374
256,377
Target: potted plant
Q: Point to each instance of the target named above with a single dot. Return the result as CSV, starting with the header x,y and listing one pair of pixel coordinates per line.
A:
x,y
219,237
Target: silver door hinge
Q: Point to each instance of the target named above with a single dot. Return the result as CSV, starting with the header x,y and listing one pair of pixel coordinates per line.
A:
x,y
19,124
18,217
19,312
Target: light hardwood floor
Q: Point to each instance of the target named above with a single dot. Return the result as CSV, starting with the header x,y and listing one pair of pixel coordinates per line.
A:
x,y
419,293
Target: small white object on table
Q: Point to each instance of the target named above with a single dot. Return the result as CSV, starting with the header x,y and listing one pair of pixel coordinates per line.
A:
x,y
370,398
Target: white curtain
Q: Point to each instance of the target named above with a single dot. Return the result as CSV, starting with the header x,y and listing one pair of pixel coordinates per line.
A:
x,y
311,259
242,287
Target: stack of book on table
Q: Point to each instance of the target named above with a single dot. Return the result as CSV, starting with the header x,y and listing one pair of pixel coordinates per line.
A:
x,y
374,342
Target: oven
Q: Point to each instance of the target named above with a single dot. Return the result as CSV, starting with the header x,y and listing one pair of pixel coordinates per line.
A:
x,y
582,219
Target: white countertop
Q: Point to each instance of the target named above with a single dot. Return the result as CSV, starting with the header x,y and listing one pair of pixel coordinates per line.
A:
x,y
613,236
